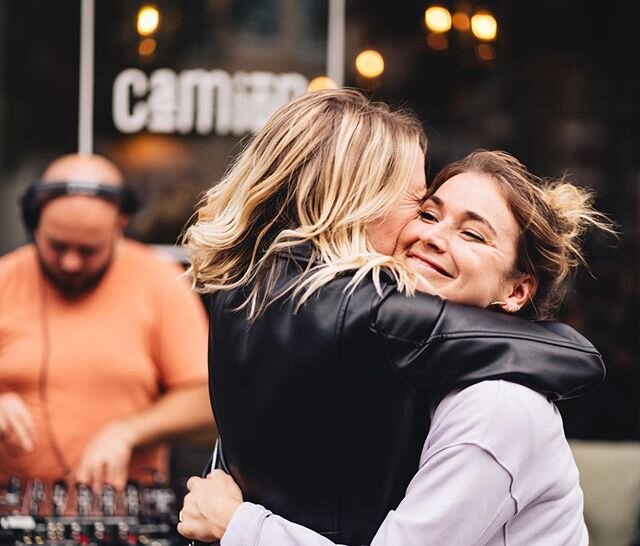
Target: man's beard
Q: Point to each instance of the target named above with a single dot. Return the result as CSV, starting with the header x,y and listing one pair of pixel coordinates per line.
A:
x,y
73,287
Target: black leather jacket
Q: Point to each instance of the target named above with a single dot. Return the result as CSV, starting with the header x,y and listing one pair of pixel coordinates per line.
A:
x,y
322,414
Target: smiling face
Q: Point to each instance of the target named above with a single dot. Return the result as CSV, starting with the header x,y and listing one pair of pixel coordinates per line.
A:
x,y
464,244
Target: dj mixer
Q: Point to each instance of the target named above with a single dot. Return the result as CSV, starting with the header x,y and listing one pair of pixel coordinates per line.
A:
x,y
37,513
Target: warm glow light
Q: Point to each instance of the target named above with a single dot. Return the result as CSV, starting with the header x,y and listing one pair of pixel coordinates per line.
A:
x,y
437,19
484,26
321,82
148,20
461,21
485,52
370,63
147,47
437,41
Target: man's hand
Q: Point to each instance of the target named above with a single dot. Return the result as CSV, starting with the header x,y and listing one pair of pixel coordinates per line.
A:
x,y
209,506
16,425
106,457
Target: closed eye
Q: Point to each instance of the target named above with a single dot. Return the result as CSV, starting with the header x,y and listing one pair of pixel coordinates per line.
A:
x,y
473,235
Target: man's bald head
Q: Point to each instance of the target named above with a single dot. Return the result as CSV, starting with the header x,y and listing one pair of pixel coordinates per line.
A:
x,y
87,168
76,234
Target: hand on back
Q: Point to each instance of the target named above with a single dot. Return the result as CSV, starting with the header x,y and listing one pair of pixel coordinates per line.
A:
x,y
209,506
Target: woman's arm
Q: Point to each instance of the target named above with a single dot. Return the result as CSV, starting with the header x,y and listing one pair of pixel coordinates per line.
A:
x,y
213,508
458,474
496,452
459,496
438,346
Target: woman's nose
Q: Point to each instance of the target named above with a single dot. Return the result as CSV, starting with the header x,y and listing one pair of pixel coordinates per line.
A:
x,y
435,236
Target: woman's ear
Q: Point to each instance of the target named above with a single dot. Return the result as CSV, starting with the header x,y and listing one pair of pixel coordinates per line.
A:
x,y
521,290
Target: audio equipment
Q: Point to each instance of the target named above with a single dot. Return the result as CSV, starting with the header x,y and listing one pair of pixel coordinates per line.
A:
x,y
39,194
35,513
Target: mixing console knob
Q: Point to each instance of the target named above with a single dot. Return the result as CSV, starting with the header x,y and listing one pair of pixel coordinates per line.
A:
x,y
99,530
14,492
108,500
132,500
14,485
75,530
37,496
85,499
59,498
123,531
165,500
52,531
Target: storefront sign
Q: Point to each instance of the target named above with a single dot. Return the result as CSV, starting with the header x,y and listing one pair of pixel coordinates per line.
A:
x,y
208,102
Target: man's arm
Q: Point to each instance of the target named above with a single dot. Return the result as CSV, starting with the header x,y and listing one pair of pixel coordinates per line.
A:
x,y
179,410
106,457
178,347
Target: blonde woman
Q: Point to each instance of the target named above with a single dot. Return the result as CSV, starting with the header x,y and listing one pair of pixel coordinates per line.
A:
x,y
322,365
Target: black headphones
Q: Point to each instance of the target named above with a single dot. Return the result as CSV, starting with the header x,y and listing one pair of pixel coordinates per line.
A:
x,y
39,194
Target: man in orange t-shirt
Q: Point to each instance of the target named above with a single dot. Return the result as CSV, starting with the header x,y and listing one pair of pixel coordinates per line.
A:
x,y
102,346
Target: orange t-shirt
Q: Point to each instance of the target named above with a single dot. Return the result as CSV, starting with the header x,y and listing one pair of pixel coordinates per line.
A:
x,y
110,353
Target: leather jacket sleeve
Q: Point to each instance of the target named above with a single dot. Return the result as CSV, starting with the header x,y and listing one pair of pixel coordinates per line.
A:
x,y
438,346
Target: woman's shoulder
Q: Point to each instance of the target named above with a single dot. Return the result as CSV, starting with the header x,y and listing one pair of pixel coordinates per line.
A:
x,y
497,415
490,395
519,428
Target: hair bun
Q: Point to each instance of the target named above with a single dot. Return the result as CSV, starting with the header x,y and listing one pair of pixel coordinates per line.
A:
x,y
572,207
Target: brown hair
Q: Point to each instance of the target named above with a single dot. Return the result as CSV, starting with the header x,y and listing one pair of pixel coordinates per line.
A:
x,y
553,215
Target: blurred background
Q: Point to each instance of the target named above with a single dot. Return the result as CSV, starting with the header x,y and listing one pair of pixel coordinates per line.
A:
x,y
178,85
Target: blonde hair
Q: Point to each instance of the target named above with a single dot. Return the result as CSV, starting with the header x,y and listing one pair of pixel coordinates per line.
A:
x,y
323,167
553,216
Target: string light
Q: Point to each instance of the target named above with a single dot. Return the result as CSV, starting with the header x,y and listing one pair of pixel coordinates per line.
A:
x,y
321,82
437,19
484,26
370,63
148,20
